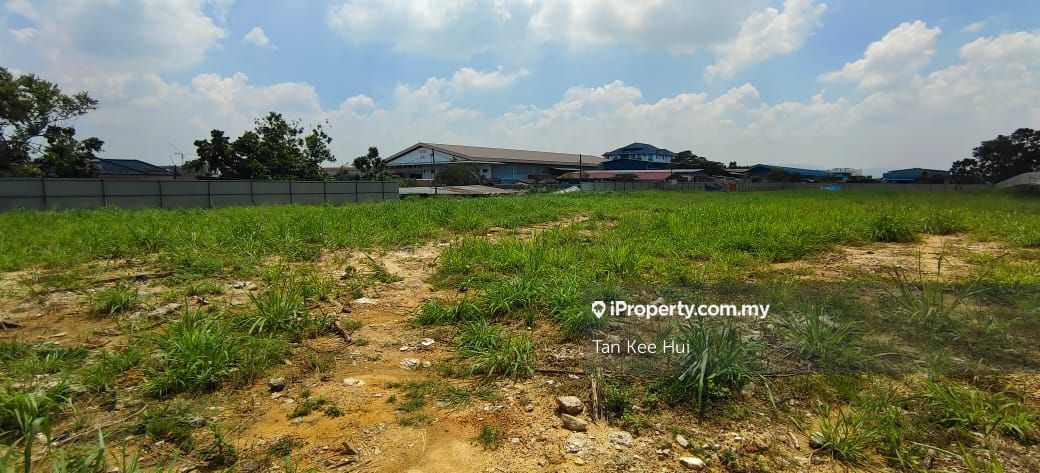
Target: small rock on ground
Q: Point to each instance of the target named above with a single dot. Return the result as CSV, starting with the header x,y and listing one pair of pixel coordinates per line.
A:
x,y
574,423
692,463
569,405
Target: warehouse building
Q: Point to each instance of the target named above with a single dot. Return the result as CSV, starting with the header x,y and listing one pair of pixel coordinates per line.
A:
x,y
495,165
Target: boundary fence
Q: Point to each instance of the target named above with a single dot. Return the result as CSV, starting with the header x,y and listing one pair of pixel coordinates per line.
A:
x,y
743,186
49,194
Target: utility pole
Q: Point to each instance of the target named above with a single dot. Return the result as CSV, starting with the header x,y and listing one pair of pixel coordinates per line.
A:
x,y
580,172
433,164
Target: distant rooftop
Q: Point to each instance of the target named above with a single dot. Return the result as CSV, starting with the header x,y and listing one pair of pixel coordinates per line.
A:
x,y
129,167
480,153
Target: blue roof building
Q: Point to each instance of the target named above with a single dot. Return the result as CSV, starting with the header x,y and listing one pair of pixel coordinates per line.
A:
x,y
638,156
761,170
914,174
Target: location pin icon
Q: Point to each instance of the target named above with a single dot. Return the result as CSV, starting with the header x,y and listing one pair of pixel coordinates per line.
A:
x,y
598,308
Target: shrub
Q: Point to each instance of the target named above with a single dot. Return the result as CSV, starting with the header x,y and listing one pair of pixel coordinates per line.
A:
x,y
886,228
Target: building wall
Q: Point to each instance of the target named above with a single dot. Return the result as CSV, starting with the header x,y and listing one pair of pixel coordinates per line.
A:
x,y
630,164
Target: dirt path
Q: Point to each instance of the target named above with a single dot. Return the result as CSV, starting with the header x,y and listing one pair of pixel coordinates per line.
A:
x,y
370,424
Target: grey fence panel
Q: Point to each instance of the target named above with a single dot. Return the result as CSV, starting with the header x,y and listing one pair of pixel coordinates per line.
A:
x,y
40,194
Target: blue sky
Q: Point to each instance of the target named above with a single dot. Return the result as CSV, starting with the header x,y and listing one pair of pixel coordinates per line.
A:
x,y
835,83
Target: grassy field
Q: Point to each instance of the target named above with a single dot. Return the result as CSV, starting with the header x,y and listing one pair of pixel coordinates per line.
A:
x,y
923,361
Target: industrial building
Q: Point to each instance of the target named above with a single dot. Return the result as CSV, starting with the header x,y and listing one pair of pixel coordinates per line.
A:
x,y
915,175
638,156
496,165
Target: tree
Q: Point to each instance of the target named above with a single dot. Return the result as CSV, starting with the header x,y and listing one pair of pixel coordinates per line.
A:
x,y
457,174
274,149
30,108
64,156
687,160
1001,158
371,167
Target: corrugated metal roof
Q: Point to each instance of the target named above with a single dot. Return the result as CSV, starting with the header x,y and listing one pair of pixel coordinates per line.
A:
x,y
506,155
130,167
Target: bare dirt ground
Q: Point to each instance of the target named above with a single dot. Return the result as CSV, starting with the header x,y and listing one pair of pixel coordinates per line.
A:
x,y
368,436
850,262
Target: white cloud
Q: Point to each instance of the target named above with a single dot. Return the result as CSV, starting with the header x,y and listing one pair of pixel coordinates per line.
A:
x,y
766,34
462,28
973,27
257,37
1017,47
892,60
468,78
22,35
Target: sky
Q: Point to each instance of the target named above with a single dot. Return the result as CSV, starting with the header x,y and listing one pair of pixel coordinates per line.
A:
x,y
841,83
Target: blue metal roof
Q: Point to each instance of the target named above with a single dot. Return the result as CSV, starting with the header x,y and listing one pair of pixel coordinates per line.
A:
x,y
130,167
800,171
637,149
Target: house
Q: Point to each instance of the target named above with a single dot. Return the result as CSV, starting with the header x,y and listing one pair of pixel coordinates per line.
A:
x,y
684,175
915,175
131,169
638,156
497,165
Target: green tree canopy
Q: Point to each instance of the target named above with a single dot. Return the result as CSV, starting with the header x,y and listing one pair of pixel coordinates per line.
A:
x,y
687,160
64,156
33,110
273,149
457,174
1001,158
371,167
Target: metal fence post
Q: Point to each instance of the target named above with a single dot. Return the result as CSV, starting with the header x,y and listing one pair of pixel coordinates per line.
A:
x,y
209,193
291,200
162,202
104,193
252,193
324,191
43,191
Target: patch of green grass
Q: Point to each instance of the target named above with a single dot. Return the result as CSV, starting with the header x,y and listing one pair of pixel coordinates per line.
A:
x,y
886,227
115,300
943,222
379,272
200,352
282,311
847,435
414,420
438,312
718,363
307,404
109,365
820,340
173,422
967,409
489,437
491,350
204,287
